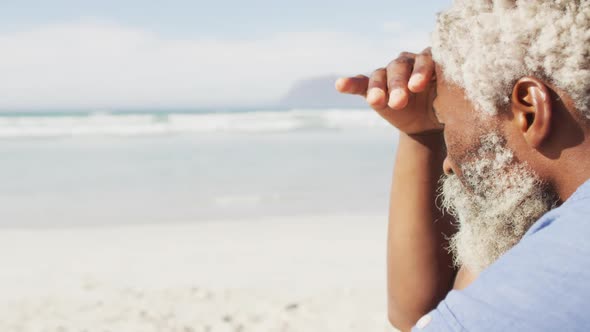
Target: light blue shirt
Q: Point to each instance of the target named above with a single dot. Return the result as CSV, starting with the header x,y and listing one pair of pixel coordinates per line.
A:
x,y
542,284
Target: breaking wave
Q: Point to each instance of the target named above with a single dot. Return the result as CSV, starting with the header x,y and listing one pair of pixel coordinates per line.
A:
x,y
14,125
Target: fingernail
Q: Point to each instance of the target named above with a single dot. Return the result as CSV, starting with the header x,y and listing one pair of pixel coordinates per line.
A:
x,y
339,84
395,97
416,79
374,95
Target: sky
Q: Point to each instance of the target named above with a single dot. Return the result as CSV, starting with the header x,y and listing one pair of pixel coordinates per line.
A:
x,y
126,54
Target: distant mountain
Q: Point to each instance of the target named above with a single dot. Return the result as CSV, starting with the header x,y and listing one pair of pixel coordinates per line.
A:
x,y
319,92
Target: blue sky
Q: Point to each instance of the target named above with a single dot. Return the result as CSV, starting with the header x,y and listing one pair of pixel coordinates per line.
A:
x,y
180,53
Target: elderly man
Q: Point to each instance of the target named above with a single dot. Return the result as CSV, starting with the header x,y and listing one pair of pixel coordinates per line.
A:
x,y
506,87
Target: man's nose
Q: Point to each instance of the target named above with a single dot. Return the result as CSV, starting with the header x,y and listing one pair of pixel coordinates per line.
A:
x,y
447,166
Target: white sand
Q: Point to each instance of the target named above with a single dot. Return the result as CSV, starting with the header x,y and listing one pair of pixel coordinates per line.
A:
x,y
297,274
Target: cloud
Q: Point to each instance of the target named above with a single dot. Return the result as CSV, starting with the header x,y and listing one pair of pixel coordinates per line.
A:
x,y
393,26
97,65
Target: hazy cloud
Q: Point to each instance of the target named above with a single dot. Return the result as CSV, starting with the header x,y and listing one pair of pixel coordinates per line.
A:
x,y
93,64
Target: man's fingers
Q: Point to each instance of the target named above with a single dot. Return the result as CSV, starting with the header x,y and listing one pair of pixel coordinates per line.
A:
x,y
377,91
398,74
422,73
353,85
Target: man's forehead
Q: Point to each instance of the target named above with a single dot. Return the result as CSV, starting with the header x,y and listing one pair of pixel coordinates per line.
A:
x,y
441,84
446,87
452,102
439,72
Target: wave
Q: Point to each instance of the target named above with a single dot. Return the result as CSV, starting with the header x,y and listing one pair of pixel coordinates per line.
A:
x,y
113,124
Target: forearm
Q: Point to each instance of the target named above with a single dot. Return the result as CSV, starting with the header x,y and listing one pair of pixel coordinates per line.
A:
x,y
419,268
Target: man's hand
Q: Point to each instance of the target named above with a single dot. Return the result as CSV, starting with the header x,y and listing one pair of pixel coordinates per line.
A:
x,y
402,93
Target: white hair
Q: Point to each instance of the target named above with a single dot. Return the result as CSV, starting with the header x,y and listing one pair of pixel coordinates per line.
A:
x,y
485,46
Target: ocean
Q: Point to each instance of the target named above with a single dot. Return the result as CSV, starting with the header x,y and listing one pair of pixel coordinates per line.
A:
x,y
61,169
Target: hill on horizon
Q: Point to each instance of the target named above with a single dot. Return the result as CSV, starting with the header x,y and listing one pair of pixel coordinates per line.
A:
x,y
319,92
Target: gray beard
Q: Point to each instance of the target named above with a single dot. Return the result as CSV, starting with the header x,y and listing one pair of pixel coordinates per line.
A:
x,y
497,202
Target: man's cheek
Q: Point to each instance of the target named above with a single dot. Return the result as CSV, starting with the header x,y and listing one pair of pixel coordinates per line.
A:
x,y
455,145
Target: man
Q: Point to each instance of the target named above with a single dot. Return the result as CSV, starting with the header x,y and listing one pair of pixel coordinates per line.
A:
x,y
506,87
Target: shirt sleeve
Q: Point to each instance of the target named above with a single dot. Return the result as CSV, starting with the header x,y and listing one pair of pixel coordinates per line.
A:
x,y
539,285
476,315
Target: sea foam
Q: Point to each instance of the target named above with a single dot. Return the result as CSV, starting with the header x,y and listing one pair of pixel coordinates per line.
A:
x,y
135,124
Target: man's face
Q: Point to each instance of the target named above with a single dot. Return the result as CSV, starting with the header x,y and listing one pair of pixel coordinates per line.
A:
x,y
494,197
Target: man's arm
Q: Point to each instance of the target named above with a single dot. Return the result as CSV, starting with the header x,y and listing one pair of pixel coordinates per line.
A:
x,y
420,271
419,267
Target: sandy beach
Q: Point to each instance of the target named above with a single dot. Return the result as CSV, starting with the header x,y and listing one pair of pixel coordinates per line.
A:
x,y
273,274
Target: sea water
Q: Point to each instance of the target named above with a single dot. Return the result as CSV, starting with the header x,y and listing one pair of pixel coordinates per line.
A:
x,y
108,168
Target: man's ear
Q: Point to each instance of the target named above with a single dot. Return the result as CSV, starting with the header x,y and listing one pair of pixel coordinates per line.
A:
x,y
531,107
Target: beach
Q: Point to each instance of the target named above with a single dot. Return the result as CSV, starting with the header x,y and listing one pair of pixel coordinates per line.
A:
x,y
200,221
275,274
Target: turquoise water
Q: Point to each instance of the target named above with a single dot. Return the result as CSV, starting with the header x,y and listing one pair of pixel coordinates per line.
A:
x,y
63,169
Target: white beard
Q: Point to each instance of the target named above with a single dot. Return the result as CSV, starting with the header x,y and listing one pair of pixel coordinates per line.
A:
x,y
497,202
